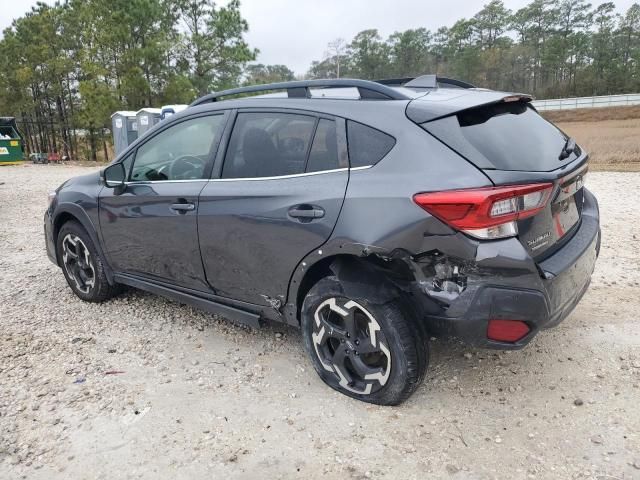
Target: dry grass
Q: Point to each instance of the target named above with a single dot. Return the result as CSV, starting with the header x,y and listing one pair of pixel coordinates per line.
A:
x,y
610,135
593,114
609,142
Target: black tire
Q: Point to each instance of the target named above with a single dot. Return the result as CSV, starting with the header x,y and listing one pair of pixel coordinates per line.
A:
x,y
327,337
85,276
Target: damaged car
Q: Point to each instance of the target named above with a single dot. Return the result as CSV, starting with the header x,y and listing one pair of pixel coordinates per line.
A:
x,y
372,215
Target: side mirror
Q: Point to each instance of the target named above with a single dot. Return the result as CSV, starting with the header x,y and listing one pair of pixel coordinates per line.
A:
x,y
114,175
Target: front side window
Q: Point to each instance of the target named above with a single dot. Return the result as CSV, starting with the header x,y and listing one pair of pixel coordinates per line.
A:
x,y
267,144
180,152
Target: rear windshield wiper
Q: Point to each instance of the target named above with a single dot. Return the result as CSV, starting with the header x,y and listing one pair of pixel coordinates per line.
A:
x,y
568,149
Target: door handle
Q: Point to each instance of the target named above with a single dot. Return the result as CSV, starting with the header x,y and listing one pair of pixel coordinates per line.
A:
x,y
183,207
308,212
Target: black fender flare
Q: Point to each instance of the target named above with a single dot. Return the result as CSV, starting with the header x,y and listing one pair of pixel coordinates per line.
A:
x,y
347,263
83,218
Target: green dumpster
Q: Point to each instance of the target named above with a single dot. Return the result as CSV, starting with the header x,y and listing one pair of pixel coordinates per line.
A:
x,y
10,141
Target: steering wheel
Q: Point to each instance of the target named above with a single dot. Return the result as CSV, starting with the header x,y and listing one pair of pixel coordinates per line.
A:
x,y
187,167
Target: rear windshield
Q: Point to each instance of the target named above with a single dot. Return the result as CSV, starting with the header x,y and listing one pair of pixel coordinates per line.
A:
x,y
503,136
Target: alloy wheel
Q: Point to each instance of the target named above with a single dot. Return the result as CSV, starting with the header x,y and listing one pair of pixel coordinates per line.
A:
x,y
77,263
349,343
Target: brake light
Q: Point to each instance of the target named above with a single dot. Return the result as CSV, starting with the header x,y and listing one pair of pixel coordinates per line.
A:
x,y
488,212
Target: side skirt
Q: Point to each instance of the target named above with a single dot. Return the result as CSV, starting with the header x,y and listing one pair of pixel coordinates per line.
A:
x,y
232,313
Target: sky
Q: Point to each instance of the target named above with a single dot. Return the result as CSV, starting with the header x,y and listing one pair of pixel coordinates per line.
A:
x,y
296,32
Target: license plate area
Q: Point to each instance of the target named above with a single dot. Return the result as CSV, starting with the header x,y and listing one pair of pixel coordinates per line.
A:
x,y
567,206
565,215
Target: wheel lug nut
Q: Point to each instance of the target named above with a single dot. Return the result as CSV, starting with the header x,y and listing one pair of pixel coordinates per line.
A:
x,y
357,342
342,340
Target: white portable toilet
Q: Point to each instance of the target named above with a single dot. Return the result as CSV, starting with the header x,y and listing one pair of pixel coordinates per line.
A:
x,y
168,110
124,128
147,118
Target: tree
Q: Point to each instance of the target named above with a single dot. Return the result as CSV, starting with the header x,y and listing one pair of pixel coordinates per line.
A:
x,y
258,74
336,54
410,54
214,46
66,68
491,22
628,37
369,55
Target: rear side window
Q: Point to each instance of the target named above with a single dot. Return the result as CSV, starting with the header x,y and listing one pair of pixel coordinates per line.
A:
x,y
503,136
268,145
324,150
367,146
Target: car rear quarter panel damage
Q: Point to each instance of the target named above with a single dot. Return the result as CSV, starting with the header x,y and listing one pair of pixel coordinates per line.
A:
x,y
417,163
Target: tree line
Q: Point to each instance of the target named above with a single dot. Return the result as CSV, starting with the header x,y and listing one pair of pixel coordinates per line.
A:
x,y
548,48
64,69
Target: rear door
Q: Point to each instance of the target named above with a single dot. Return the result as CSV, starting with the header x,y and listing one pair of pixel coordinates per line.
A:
x,y
276,195
149,227
513,144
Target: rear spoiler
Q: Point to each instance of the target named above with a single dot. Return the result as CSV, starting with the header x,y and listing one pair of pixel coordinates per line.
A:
x,y
434,106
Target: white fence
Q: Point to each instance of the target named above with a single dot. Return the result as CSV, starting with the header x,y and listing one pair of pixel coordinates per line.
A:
x,y
588,102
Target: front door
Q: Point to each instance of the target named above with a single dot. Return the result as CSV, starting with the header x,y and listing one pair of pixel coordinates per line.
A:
x,y
149,228
277,198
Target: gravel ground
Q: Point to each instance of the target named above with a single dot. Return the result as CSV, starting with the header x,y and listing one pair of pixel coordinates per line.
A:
x,y
196,396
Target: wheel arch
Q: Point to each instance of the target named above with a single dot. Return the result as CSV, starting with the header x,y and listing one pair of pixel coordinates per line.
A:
x,y
71,212
361,275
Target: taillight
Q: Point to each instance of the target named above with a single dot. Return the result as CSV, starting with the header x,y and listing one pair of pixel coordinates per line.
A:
x,y
488,212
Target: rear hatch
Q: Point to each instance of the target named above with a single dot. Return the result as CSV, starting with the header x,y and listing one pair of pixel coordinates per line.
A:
x,y
512,144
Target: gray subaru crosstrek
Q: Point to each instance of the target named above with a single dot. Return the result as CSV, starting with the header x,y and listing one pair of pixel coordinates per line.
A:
x,y
371,214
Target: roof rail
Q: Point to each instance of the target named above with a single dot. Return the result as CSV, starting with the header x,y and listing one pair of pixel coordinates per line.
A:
x,y
425,81
300,89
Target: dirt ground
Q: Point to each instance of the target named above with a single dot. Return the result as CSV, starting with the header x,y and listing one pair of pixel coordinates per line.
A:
x,y
193,396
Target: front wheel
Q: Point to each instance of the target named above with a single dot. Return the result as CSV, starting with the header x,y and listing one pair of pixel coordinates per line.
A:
x,y
363,348
82,265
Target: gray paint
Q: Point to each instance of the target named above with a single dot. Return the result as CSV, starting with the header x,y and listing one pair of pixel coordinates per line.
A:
x,y
240,248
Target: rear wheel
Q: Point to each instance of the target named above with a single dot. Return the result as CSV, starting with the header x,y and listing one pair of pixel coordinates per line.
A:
x,y
361,347
82,265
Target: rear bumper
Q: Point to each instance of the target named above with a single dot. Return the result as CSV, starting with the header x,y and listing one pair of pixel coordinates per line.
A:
x,y
540,297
